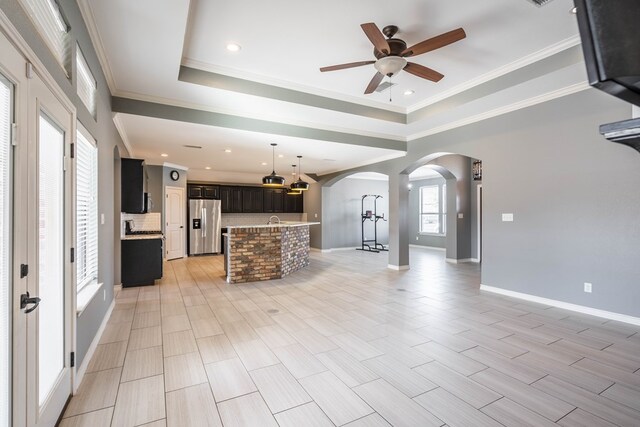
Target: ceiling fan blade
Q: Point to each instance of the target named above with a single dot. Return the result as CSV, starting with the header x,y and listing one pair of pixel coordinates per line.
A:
x,y
349,65
434,43
424,72
376,37
374,83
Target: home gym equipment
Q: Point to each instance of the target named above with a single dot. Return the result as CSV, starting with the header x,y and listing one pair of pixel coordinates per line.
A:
x,y
367,215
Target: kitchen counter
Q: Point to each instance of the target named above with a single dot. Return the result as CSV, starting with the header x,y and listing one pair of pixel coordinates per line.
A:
x,y
275,224
266,251
141,236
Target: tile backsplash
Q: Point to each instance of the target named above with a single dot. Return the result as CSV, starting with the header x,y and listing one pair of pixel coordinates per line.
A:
x,y
142,222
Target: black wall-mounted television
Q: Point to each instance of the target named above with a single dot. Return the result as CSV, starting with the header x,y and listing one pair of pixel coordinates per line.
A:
x,y
610,33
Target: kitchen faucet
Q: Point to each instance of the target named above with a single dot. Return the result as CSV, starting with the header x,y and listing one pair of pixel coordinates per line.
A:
x,y
271,217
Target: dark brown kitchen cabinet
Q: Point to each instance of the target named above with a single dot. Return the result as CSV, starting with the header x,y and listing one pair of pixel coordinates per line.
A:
x,y
231,199
203,191
252,199
133,186
294,203
273,200
141,262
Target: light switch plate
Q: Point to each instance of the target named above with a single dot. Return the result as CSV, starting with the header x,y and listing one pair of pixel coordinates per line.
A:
x,y
101,219
460,215
507,217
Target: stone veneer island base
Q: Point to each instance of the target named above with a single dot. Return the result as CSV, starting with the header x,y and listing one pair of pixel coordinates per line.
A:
x,y
265,252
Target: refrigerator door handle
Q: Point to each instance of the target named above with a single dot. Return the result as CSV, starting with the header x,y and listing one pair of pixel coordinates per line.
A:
x,y
204,222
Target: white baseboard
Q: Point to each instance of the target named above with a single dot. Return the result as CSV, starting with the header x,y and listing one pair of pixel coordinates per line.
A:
x,y
398,267
80,370
458,261
434,248
116,289
474,260
565,305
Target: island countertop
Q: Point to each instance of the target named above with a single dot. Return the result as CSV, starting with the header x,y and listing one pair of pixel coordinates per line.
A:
x,y
275,224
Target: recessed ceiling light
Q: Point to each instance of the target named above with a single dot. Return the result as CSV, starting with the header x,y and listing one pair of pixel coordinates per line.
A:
x,y
408,92
207,167
280,155
264,163
164,155
227,150
233,47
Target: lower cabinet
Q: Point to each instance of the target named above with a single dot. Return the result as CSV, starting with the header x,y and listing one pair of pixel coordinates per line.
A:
x,y
141,261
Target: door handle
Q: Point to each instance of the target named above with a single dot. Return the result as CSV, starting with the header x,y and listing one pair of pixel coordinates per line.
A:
x,y
25,300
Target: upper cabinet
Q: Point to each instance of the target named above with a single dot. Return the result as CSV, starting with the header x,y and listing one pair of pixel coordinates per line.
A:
x,y
274,200
245,199
252,199
294,203
231,199
133,185
197,191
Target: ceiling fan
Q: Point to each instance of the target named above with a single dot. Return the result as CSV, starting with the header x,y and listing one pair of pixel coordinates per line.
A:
x,y
391,54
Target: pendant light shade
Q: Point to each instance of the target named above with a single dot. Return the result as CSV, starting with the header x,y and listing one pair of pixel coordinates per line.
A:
x,y
300,185
273,179
291,191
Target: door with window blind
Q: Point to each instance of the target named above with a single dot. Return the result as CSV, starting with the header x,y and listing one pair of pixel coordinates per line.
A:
x,y
36,311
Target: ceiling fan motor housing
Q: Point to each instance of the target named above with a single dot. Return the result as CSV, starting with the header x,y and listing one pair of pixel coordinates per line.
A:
x,y
393,63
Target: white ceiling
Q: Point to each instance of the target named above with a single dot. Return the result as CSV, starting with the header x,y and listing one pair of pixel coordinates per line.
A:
x,y
424,172
142,44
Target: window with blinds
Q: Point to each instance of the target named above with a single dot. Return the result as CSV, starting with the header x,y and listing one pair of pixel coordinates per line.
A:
x,y
86,83
49,22
6,120
86,210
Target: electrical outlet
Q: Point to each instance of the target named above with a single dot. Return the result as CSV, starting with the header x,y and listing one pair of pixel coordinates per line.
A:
x,y
588,287
417,238
316,215
460,216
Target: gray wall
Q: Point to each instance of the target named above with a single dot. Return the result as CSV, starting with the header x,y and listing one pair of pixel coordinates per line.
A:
x,y
155,187
414,216
574,196
106,135
342,219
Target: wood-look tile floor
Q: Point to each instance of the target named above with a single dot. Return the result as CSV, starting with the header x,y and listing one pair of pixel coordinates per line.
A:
x,y
348,342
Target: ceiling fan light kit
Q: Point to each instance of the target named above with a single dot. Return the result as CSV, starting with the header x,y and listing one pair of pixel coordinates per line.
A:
x,y
273,179
391,52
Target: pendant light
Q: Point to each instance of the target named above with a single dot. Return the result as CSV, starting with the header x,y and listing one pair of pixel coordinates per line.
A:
x,y
273,180
290,191
300,185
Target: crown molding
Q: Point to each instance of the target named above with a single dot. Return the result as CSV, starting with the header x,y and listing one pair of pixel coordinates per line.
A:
x,y
559,93
96,40
500,71
175,166
123,134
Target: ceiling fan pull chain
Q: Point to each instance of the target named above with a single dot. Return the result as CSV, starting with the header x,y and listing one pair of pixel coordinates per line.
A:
x,y
390,86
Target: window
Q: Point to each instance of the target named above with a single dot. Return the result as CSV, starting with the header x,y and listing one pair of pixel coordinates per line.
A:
x,y
86,210
86,84
433,209
47,18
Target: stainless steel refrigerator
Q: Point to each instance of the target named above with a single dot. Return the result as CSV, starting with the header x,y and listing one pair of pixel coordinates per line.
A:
x,y
204,227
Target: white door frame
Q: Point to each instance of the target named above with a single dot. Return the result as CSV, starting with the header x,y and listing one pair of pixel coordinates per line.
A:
x,y
184,215
24,185
479,221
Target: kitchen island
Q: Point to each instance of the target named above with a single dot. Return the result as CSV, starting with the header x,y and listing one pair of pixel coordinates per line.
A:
x,y
266,251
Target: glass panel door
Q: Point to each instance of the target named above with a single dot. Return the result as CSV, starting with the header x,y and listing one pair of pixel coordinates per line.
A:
x,y
51,248
6,120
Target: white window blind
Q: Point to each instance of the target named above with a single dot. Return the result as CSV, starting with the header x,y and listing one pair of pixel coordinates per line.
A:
x,y
86,211
86,83
6,104
49,22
